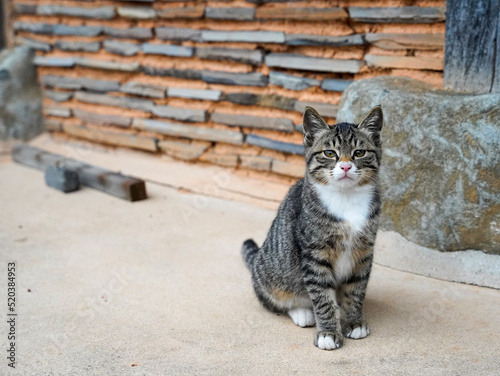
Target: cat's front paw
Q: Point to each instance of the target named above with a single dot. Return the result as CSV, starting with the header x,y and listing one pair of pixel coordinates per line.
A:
x,y
328,340
357,331
302,317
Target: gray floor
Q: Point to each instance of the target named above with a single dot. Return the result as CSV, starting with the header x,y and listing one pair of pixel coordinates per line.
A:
x,y
159,284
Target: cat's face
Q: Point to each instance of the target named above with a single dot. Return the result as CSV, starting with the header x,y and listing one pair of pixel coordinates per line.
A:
x,y
344,155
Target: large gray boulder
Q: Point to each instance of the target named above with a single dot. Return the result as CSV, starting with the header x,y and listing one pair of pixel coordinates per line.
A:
x,y
20,96
441,163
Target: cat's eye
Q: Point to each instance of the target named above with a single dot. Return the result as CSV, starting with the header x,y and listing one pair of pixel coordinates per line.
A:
x,y
329,153
359,153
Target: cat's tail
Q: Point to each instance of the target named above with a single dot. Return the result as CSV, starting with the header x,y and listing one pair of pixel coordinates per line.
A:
x,y
249,251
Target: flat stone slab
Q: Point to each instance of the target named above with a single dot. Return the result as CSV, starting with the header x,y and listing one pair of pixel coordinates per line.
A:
x,y
200,94
58,29
255,162
291,82
62,62
267,143
277,124
36,28
103,13
230,78
324,109
107,65
448,206
395,41
243,36
82,31
288,168
302,13
411,14
61,82
129,33
64,112
34,44
126,102
334,84
75,46
64,82
195,11
324,40
406,62
25,8
143,90
318,64
102,119
58,96
183,150
180,113
121,48
112,138
265,100
178,34
167,50
189,131
137,13
226,13
189,74
253,57
226,160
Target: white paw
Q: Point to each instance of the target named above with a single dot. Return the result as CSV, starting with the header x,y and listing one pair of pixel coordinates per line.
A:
x,y
328,341
302,317
358,331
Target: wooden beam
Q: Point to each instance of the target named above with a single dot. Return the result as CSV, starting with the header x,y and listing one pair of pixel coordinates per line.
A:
x,y
125,187
470,53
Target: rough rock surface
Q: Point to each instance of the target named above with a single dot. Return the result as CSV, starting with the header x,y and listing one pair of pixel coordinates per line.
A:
x,y
441,166
20,97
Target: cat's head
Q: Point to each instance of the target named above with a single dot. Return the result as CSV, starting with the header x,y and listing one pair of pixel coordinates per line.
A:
x,y
343,155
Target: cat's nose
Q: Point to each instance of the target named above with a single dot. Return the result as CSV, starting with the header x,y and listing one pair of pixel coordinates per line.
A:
x,y
346,166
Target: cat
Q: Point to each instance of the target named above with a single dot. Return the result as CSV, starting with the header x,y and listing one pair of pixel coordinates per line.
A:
x,y
317,257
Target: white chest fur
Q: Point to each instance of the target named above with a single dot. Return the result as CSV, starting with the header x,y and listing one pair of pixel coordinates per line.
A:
x,y
352,206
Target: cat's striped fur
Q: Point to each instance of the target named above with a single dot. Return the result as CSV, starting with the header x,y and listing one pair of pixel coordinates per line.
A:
x,y
316,259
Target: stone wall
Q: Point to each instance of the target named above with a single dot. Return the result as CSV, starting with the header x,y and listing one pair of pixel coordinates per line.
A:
x,y
221,82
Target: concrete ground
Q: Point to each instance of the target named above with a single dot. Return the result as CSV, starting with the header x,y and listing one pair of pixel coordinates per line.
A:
x,y
158,287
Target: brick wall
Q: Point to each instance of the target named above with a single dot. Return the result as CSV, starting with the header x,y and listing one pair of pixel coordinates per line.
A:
x,y
222,82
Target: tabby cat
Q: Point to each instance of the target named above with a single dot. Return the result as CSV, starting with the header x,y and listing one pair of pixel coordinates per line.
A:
x,y
316,259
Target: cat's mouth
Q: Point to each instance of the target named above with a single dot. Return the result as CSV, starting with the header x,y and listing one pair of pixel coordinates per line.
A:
x,y
345,177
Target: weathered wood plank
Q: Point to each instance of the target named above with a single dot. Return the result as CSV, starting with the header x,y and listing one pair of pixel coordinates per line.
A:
x,y
113,183
471,29
496,79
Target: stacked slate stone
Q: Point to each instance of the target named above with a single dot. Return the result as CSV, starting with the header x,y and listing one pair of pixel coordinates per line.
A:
x,y
221,82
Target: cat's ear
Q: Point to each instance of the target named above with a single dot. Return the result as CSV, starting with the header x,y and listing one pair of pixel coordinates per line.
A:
x,y
313,124
372,123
